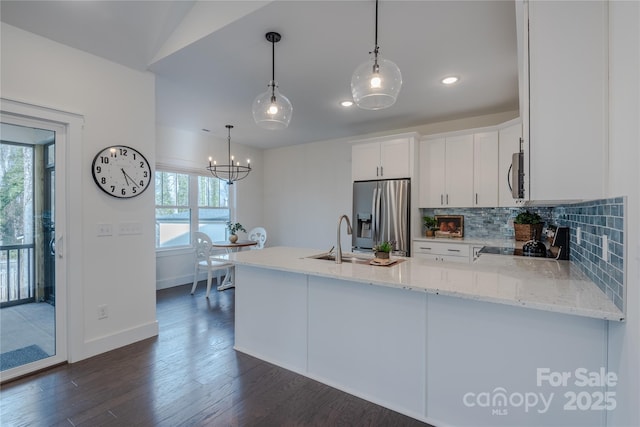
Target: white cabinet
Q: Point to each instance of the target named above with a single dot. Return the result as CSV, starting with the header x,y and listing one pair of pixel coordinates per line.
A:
x,y
568,99
485,169
509,143
448,178
441,251
386,159
432,172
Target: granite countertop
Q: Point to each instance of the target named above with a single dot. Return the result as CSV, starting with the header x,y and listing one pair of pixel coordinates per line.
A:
x,y
541,284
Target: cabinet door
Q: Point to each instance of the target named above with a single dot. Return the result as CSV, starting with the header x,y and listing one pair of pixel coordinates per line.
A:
x,y
436,173
459,171
423,175
394,159
365,161
568,83
509,143
485,169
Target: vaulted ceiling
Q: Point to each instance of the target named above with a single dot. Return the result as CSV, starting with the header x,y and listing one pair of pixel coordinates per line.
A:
x,y
211,58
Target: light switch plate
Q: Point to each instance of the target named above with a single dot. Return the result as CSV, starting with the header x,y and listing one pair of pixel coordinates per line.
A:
x,y
129,228
578,235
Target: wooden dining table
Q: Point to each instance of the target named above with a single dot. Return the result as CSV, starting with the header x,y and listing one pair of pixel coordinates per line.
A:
x,y
229,279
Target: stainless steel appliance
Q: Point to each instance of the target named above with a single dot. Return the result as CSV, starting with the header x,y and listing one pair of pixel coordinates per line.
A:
x,y
515,176
381,212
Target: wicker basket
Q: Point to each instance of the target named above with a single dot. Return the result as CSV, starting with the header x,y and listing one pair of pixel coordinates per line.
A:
x,y
526,232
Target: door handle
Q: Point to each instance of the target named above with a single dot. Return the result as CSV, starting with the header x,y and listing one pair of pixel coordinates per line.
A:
x,y
476,198
60,247
381,171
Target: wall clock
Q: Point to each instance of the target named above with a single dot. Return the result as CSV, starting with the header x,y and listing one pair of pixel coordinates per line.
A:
x,y
121,171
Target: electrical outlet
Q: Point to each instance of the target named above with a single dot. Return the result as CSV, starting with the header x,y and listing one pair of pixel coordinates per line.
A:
x,y
104,230
605,247
102,311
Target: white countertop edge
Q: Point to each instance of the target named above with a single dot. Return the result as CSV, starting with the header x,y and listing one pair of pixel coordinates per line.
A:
x,y
603,314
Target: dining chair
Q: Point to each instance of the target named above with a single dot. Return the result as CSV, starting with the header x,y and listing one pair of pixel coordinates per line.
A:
x,y
204,252
258,234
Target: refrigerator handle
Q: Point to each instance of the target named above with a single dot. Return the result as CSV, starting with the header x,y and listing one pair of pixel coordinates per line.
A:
x,y
374,215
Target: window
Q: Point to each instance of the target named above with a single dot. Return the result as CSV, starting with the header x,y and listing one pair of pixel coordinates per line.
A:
x,y
213,207
186,202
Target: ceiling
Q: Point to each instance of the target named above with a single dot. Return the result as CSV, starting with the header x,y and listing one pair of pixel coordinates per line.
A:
x,y
211,58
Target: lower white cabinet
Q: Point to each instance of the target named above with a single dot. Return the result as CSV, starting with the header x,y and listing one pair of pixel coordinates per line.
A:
x,y
442,251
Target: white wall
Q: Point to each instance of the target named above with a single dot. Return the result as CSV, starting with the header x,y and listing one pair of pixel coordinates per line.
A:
x,y
189,151
118,106
306,189
624,158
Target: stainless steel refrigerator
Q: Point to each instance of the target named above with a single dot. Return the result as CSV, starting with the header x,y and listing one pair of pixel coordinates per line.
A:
x,y
381,212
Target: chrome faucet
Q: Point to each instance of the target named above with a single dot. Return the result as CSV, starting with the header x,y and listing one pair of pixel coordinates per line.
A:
x,y
338,244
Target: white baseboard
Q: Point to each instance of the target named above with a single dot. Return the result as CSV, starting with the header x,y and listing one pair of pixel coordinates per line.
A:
x,y
119,339
170,282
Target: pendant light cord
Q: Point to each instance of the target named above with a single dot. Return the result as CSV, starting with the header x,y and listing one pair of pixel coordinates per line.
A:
x,y
376,48
273,70
376,67
229,127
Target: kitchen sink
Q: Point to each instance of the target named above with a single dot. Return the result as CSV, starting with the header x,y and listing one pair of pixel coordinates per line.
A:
x,y
346,258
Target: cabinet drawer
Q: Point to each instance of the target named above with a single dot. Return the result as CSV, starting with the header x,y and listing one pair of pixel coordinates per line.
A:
x,y
439,248
445,258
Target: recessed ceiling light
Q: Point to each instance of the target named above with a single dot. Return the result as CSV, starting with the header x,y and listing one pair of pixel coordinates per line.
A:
x,y
346,103
449,80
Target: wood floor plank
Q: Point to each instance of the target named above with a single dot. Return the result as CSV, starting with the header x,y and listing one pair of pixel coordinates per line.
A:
x,y
188,375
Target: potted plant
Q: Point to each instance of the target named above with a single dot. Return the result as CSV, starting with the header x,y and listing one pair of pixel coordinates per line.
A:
x,y
430,225
234,227
382,250
528,226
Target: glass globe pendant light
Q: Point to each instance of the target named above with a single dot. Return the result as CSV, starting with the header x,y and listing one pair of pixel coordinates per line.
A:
x,y
271,109
376,83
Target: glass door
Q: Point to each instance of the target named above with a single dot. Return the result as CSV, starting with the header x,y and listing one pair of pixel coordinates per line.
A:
x,y
30,332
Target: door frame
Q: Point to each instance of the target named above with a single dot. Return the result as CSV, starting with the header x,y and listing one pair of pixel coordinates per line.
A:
x,y
68,308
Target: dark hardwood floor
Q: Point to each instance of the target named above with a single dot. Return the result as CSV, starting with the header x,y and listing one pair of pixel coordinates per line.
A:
x,y
188,375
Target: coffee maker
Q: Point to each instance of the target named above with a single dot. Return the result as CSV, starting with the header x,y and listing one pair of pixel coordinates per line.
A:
x,y
559,237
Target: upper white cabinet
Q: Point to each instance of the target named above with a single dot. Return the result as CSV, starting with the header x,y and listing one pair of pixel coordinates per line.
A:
x,y
485,169
568,98
385,159
446,172
509,143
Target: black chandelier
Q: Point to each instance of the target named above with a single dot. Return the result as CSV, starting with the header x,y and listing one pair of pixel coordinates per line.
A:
x,y
232,171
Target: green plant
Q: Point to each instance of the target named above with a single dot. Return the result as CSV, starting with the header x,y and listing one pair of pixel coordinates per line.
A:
x,y
382,247
429,222
234,227
527,217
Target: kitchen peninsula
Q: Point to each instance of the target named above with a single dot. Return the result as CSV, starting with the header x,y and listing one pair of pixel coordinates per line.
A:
x,y
428,339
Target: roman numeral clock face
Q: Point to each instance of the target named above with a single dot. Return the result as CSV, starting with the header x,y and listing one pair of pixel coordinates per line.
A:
x,y
121,171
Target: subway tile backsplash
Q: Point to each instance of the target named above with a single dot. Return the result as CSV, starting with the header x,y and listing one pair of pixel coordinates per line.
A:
x,y
595,219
